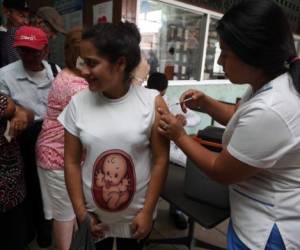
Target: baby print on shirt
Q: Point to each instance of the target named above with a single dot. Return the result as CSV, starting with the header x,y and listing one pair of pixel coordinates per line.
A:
x,y
113,180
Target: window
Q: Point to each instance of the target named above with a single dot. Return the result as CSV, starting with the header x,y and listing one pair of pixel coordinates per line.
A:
x,y
171,39
212,69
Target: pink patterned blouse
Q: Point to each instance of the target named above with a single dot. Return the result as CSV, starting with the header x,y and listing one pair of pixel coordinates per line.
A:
x,y
50,143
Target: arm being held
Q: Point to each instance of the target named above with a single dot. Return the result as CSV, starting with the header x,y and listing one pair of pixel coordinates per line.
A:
x,y
221,167
160,153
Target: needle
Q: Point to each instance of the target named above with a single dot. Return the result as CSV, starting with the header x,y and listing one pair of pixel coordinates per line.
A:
x,y
185,100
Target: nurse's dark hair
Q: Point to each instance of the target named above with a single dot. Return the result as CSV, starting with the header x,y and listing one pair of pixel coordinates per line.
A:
x,y
114,41
258,32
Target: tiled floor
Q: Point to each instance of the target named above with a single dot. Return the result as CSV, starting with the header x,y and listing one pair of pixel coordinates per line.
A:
x,y
164,228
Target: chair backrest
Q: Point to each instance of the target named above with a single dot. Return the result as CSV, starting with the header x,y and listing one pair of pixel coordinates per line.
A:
x,y
211,137
198,186
201,188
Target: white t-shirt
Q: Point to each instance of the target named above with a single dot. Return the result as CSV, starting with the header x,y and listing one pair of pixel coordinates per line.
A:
x,y
265,133
115,134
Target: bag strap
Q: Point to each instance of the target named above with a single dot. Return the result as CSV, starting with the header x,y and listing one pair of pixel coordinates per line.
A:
x,y
54,69
211,145
1,42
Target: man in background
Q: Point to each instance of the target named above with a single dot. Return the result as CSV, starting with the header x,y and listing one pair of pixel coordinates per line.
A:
x,y
16,14
51,22
28,81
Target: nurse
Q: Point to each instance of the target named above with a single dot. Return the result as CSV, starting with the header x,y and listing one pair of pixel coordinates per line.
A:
x,y
261,145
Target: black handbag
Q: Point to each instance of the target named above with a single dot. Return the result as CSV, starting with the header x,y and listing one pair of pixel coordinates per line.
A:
x,y
83,239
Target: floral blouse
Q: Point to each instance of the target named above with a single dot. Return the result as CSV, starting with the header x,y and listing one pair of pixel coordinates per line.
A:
x,y
50,143
12,183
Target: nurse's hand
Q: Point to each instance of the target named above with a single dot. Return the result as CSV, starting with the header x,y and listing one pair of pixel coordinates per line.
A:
x,y
141,225
170,126
191,99
181,118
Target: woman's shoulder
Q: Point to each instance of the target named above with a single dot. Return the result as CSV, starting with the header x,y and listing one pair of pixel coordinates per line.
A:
x,y
66,76
277,101
281,96
276,94
145,92
83,96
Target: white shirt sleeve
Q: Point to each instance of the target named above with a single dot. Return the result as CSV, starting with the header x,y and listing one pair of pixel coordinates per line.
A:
x,y
68,118
260,138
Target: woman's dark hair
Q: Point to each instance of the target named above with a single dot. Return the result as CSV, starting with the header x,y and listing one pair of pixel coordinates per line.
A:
x,y
157,81
116,40
259,34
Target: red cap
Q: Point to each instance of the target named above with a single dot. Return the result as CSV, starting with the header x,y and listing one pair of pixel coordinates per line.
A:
x,y
32,37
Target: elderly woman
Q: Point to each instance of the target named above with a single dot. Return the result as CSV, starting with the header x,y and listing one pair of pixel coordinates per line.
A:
x,y
50,145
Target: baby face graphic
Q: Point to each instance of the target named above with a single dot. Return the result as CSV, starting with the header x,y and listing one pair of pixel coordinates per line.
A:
x,y
114,180
114,169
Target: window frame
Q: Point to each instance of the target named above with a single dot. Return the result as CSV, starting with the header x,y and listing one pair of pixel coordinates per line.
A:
x,y
207,16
